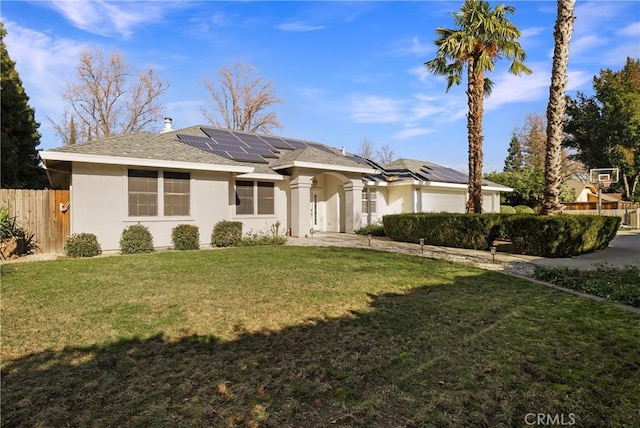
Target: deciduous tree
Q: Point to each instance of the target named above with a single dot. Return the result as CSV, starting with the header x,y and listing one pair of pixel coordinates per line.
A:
x,y
605,128
106,98
481,37
241,100
18,131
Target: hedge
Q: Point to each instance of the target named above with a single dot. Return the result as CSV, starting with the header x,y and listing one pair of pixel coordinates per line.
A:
x,y
472,231
560,236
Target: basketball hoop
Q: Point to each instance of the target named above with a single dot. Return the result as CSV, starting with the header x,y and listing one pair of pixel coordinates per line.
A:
x,y
604,177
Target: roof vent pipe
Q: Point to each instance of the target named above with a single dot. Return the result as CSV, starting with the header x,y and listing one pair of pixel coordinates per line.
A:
x,y
167,124
344,152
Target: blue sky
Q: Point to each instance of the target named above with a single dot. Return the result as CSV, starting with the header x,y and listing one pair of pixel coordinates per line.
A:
x,y
345,70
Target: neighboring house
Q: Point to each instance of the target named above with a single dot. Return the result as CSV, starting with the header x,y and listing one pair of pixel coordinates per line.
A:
x,y
588,192
202,175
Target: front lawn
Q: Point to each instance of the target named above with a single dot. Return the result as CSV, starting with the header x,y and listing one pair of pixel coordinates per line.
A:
x,y
298,336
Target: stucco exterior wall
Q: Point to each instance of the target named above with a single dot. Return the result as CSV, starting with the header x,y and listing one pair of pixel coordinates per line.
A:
x,y
98,198
450,200
99,205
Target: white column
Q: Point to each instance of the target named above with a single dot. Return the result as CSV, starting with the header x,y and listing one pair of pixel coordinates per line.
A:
x,y
301,205
353,205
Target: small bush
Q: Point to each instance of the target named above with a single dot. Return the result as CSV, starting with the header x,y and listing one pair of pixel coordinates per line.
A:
x,y
523,209
82,245
373,229
136,239
185,237
560,236
474,231
506,209
258,240
226,233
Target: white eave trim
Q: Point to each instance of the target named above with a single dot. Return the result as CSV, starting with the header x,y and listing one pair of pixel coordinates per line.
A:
x,y
155,163
435,184
263,176
326,167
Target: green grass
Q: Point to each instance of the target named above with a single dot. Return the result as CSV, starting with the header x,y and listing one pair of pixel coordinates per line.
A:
x,y
291,336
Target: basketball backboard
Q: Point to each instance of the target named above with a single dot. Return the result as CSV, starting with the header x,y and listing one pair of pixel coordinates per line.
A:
x,y
604,176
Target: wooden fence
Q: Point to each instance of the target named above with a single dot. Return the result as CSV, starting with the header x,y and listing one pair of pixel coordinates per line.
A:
x,y
630,217
44,213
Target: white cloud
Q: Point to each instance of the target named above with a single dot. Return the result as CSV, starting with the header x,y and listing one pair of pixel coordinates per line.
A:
x,y
108,18
586,44
412,46
412,132
420,72
631,30
298,27
375,109
509,88
43,63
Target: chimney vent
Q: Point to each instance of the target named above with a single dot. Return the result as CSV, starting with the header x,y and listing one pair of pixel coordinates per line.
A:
x,y
167,124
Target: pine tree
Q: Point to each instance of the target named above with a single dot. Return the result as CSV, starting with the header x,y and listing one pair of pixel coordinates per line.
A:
x,y
515,158
19,130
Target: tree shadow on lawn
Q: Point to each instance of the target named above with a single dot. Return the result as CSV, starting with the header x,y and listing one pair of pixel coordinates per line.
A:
x,y
462,354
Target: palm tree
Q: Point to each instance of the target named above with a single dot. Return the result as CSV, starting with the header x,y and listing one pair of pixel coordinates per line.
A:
x,y
555,109
482,36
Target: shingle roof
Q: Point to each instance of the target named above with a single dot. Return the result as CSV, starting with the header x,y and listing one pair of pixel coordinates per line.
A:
x,y
145,145
312,154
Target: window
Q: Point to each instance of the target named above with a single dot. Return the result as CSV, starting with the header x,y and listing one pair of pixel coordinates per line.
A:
x,y
143,192
176,193
369,198
265,198
254,197
244,197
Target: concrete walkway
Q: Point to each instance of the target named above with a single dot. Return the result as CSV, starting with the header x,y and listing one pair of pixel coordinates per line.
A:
x,y
623,250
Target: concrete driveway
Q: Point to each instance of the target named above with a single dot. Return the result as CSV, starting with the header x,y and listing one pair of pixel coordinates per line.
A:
x,y
623,250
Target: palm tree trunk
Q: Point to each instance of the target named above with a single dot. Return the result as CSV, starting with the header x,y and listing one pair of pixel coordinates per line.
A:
x,y
555,109
475,99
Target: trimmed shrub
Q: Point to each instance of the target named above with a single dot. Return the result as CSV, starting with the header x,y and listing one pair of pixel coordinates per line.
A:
x,y
373,229
185,237
226,233
506,209
136,239
560,236
523,209
82,245
474,231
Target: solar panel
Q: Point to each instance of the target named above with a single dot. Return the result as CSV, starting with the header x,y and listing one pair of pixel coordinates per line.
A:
x,y
218,133
230,148
265,153
295,144
247,157
278,143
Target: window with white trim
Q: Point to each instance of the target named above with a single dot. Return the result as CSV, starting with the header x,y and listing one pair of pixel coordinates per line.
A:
x,y
143,192
369,201
255,197
176,193
149,189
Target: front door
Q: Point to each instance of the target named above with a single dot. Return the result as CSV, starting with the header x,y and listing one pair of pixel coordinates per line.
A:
x,y
316,215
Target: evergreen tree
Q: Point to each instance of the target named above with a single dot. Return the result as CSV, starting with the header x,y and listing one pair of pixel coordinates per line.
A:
x,y
19,130
515,158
